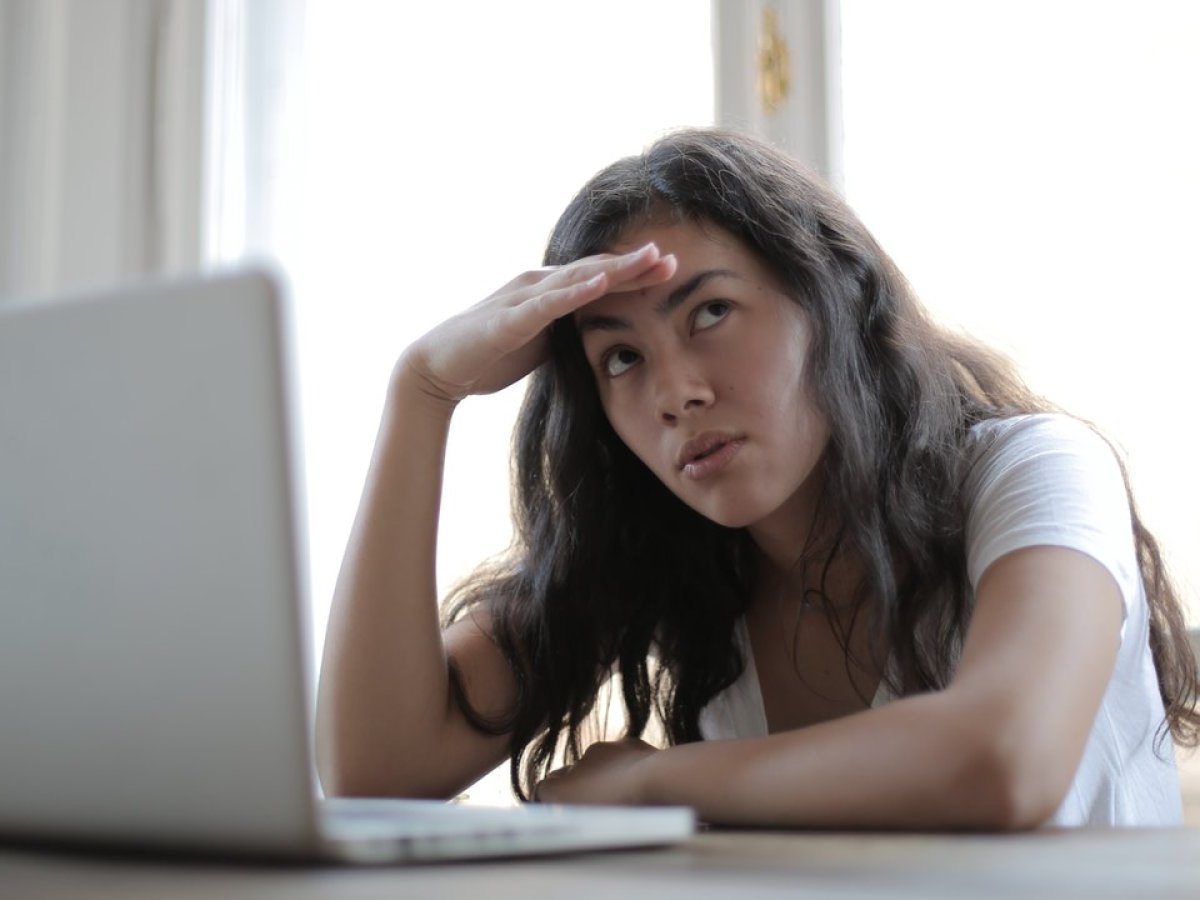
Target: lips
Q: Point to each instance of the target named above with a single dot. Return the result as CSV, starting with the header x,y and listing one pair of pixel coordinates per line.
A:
x,y
708,453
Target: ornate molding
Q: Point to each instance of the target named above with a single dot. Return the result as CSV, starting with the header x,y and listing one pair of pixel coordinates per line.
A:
x,y
774,63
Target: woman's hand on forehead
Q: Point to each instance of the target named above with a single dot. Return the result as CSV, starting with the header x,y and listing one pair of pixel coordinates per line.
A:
x,y
503,338
632,271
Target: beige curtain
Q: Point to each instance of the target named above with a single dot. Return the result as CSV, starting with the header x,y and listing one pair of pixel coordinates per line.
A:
x,y
252,156
102,112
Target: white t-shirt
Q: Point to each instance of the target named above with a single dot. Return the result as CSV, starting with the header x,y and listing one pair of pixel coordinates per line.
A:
x,y
1048,480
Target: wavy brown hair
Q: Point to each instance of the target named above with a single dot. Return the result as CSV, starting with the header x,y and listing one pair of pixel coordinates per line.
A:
x,y
610,573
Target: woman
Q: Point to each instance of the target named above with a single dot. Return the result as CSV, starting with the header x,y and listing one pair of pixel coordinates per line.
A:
x,y
861,575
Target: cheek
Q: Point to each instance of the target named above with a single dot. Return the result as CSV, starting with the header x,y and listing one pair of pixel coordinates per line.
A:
x,y
789,376
812,428
788,402
777,388
629,421
620,417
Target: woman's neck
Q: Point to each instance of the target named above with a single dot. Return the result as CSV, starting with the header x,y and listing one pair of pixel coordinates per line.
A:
x,y
798,530
801,555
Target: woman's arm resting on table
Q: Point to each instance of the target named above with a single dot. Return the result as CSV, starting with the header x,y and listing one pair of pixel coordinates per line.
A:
x,y
997,749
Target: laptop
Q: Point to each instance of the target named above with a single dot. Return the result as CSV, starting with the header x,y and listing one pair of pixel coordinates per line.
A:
x,y
154,684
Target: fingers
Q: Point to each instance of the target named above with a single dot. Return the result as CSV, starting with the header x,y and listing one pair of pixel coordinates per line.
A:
x,y
619,269
520,315
567,290
520,324
661,271
642,264
543,791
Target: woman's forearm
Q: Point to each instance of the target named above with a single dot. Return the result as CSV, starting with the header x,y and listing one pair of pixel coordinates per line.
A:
x,y
921,762
997,749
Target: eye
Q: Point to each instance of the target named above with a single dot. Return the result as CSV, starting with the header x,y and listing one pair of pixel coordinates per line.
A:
x,y
709,314
618,361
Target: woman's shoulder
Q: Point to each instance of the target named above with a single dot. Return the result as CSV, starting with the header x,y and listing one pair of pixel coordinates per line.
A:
x,y
1050,452
1045,478
1036,444
1043,427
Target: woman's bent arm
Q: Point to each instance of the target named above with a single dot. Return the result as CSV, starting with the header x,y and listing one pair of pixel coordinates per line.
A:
x,y
385,721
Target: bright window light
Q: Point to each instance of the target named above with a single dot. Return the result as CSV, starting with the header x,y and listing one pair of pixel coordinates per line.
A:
x,y
440,144
1032,167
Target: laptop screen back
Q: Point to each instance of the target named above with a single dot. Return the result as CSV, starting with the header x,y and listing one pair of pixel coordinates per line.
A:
x,y
151,682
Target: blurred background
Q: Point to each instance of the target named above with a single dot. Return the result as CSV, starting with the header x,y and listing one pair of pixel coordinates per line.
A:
x,y
1030,164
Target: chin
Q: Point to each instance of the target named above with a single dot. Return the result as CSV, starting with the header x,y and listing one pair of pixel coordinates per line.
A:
x,y
737,515
727,508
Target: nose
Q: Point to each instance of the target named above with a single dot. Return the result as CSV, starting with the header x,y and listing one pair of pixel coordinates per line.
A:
x,y
681,389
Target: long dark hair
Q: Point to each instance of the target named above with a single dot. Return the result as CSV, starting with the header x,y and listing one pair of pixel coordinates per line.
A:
x,y
610,573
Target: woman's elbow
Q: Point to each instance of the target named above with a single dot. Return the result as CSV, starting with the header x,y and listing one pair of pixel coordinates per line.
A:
x,y
1013,785
346,770
351,781
344,773
339,779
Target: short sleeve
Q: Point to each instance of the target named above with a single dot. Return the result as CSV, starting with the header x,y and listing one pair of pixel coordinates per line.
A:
x,y
1048,480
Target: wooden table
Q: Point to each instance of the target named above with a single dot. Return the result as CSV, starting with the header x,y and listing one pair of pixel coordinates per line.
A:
x,y
1142,865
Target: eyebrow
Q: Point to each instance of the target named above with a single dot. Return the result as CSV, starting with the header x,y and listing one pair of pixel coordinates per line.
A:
x,y
662,309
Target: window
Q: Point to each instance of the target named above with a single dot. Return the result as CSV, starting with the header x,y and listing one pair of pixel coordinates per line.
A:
x,y
441,145
1031,167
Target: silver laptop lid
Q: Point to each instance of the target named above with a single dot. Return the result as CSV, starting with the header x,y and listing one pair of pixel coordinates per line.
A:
x,y
152,686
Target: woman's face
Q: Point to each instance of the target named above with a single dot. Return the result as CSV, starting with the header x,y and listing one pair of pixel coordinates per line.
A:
x,y
703,379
